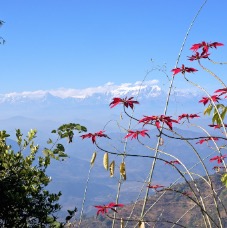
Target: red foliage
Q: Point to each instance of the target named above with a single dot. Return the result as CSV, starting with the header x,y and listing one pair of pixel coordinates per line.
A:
x,y
191,116
103,209
207,139
217,125
215,44
157,119
218,158
126,102
221,91
183,69
205,100
93,136
217,168
135,134
205,46
173,162
198,56
155,187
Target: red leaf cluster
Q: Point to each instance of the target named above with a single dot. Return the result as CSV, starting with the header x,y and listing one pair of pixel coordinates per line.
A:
x,y
157,119
126,102
183,69
198,56
191,116
219,159
205,100
103,209
207,139
135,134
205,46
203,55
93,136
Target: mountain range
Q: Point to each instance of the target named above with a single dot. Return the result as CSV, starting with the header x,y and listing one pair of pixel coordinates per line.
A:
x,y
90,106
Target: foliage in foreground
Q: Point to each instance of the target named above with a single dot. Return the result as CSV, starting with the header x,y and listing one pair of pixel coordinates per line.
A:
x,y
212,213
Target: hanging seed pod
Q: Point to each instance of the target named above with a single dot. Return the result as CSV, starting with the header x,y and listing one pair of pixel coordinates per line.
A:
x,y
122,171
93,158
161,142
141,224
112,167
122,223
106,161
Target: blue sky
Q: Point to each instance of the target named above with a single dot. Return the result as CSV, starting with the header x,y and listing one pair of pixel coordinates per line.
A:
x,y
79,44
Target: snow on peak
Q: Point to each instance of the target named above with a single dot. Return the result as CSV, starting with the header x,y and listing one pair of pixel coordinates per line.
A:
x,y
110,89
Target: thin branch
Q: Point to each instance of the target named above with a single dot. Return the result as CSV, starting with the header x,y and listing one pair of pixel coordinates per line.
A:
x,y
85,193
212,73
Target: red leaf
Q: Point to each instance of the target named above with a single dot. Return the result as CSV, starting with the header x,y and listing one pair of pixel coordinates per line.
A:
x,y
167,120
215,44
135,134
217,126
205,100
148,119
155,187
126,102
198,56
206,140
162,118
157,123
218,158
176,70
104,208
205,46
221,91
183,69
191,116
93,136
115,102
195,47
173,162
112,204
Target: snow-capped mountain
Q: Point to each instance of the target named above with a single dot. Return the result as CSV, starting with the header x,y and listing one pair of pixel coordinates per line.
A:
x,y
101,93
64,103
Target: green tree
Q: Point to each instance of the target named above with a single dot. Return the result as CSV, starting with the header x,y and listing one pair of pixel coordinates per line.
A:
x,y
24,199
